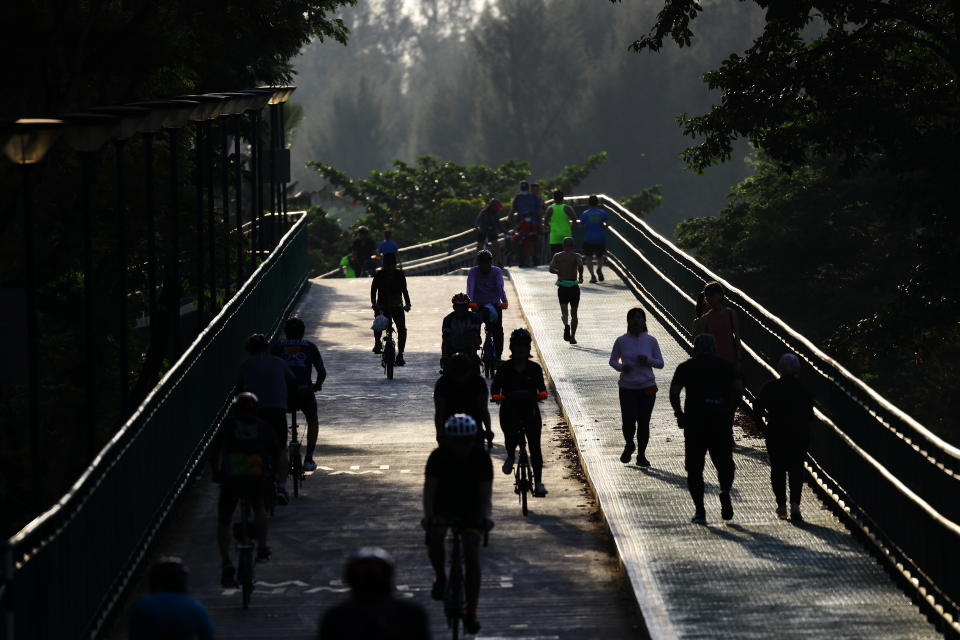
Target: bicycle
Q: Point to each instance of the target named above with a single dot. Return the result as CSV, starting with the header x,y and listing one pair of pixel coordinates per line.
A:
x,y
245,547
389,353
454,600
522,472
296,461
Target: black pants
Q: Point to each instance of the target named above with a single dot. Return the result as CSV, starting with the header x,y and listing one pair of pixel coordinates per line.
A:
x,y
786,459
636,406
399,319
715,437
510,421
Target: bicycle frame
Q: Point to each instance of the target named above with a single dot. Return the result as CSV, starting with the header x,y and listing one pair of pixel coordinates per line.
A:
x,y
296,462
245,562
454,603
523,472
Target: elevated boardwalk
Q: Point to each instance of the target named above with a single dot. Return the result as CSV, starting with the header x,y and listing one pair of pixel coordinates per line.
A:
x,y
754,577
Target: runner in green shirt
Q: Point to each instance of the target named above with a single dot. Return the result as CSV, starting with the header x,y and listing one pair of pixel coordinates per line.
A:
x,y
560,218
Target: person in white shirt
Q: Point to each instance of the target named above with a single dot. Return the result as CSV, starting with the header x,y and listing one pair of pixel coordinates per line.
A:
x,y
635,354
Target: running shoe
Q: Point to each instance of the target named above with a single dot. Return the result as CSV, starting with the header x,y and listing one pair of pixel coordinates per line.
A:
x,y
507,467
309,465
700,517
263,554
642,460
282,498
378,348
593,279
599,274
540,491
439,589
628,450
572,339
228,577
726,506
471,625
399,361
782,511
566,332
795,514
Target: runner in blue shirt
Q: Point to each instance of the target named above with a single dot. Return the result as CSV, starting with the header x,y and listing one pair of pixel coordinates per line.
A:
x,y
168,612
388,245
594,221
302,356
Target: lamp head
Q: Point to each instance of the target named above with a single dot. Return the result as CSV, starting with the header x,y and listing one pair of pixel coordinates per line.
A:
x,y
31,139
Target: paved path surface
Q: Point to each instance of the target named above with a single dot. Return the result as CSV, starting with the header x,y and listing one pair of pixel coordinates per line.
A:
x,y
755,577
552,575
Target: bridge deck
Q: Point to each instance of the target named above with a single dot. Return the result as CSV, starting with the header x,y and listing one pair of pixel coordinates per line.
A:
x,y
756,577
553,575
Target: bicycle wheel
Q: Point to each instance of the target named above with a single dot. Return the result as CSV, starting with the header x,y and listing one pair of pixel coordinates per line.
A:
x,y
296,468
245,574
388,358
454,604
524,481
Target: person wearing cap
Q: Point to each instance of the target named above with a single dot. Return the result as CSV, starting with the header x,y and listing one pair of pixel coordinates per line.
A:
x,y
458,489
517,387
372,612
713,388
364,248
488,296
787,406
242,456
489,227
168,611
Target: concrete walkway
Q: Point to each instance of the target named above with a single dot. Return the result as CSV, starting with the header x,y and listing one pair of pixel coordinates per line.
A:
x,y
553,574
754,577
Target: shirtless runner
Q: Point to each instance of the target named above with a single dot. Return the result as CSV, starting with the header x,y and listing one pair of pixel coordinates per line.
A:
x,y
568,265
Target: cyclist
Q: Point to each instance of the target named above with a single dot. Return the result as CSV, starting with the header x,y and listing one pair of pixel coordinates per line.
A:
x,y
560,219
458,486
270,379
364,248
242,457
594,221
167,611
389,296
568,265
372,612
302,356
516,387
525,217
489,227
460,332
485,287
461,390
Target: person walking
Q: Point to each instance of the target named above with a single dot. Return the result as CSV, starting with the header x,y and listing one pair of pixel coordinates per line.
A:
x,y
594,220
788,408
713,389
560,218
568,266
721,322
373,612
635,355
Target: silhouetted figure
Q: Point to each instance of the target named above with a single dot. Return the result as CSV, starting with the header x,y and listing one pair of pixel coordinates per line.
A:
x,y
167,612
713,389
721,322
372,613
788,408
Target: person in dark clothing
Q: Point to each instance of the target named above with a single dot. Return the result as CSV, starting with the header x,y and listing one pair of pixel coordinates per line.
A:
x,y
372,613
460,331
457,491
517,387
389,296
242,457
364,248
788,408
168,612
713,389
461,389
302,357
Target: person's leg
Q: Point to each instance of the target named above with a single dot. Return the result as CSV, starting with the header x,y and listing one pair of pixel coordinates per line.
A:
x,y
226,505
644,403
509,430
778,473
471,555
377,335
309,405
694,450
601,255
435,552
588,260
561,297
400,321
574,306
277,418
497,329
721,454
628,416
534,426
796,455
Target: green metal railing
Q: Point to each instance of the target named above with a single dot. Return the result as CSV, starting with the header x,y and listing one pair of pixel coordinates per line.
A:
x,y
65,571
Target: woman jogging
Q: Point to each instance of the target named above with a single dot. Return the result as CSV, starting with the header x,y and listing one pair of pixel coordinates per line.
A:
x,y
634,355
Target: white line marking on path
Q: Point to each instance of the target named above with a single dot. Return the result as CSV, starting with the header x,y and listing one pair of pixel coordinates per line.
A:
x,y
354,467
331,589
384,466
357,473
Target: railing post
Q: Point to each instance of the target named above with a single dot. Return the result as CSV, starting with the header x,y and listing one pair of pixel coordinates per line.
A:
x,y
8,585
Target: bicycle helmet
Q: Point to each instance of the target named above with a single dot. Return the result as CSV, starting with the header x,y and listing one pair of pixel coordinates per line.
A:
x,y
485,256
460,425
168,574
294,328
246,400
460,298
257,343
520,335
362,229
369,571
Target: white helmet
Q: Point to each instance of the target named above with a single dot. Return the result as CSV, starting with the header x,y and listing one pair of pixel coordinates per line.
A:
x,y
460,425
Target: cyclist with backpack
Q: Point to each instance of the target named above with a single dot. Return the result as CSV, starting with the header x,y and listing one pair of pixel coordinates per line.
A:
x,y
517,387
458,486
713,389
302,356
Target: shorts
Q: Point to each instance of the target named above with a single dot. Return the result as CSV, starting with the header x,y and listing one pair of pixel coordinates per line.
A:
x,y
232,490
304,400
568,295
487,236
591,249
276,418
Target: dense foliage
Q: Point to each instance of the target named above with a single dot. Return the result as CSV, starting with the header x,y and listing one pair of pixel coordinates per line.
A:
x,y
849,229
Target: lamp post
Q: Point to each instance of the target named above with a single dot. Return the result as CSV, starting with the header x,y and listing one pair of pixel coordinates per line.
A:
x,y
87,133
260,99
29,142
278,144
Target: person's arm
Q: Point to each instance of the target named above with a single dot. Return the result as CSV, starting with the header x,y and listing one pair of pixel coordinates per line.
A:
x,y
656,358
616,358
486,499
439,410
374,281
553,264
571,214
580,267
676,385
496,385
430,485
541,384
735,323
321,372
406,294
471,282
503,293
700,325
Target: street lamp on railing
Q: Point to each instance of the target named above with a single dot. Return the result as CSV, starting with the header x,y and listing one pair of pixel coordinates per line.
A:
x,y
29,141
261,98
279,158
